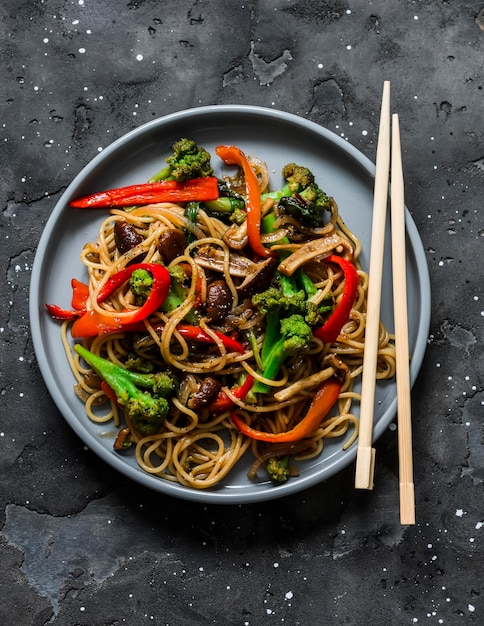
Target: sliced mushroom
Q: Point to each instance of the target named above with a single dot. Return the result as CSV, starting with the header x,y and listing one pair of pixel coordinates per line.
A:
x,y
236,236
126,237
258,278
124,440
213,259
219,300
171,244
313,249
339,366
207,393
255,275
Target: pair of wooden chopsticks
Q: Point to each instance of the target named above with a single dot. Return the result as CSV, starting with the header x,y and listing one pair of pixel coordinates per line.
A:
x,y
365,461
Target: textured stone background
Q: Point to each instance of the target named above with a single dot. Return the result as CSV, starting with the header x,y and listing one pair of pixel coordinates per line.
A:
x,y
81,545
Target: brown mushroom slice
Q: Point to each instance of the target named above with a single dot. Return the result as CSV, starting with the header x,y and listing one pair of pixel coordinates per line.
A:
x,y
219,300
236,236
171,244
124,440
255,275
258,278
313,249
210,258
126,237
207,393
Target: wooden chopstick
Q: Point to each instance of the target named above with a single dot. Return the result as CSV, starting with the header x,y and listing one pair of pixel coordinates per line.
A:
x,y
407,492
365,459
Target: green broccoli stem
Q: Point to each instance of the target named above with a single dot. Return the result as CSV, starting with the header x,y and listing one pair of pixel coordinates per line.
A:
x,y
268,226
276,195
146,409
306,283
163,174
273,353
272,334
224,205
255,348
288,284
175,298
272,364
191,213
273,317
123,382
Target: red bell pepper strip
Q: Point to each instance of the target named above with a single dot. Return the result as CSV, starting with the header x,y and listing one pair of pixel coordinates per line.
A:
x,y
109,392
160,287
195,333
80,295
223,402
58,313
330,330
95,323
326,396
195,189
232,155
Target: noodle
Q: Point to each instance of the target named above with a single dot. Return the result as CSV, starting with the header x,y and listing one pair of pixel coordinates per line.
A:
x,y
195,447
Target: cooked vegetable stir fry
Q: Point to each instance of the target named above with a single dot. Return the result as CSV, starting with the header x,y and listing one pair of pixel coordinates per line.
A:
x,y
220,318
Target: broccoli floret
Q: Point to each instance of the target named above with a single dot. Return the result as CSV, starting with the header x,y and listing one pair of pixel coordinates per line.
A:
x,y
314,313
301,196
147,409
140,283
290,316
164,383
238,216
283,338
296,335
147,412
283,299
177,293
138,363
297,177
287,298
178,273
187,161
278,469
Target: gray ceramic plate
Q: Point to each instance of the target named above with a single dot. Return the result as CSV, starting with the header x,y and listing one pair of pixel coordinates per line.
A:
x,y
276,138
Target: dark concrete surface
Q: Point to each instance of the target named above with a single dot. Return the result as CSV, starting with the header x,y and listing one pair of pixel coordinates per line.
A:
x,y
80,544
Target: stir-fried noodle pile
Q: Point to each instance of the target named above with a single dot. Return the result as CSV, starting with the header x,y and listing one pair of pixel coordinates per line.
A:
x,y
194,445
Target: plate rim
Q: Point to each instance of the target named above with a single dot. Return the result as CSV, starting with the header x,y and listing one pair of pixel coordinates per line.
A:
x,y
226,495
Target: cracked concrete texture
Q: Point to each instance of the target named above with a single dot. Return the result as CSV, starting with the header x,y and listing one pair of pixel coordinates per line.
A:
x,y
80,544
